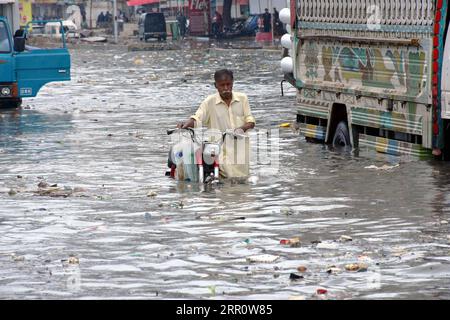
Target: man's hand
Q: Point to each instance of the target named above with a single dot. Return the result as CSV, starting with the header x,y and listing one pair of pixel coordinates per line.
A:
x,y
239,131
245,127
187,124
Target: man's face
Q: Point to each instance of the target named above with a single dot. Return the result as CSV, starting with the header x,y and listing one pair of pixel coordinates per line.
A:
x,y
225,87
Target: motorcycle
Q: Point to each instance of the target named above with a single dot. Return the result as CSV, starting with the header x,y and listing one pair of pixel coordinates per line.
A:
x,y
196,159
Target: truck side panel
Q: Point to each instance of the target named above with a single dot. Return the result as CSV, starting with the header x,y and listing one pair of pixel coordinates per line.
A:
x,y
381,60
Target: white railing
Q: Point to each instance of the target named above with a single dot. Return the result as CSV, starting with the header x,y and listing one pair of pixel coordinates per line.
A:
x,y
389,12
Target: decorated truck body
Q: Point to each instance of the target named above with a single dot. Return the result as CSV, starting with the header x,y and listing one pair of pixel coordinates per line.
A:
x,y
24,69
372,73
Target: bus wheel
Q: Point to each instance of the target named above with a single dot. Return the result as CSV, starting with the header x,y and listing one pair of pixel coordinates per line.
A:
x,y
341,137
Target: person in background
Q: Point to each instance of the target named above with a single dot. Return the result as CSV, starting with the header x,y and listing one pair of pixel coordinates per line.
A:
x,y
217,24
181,19
100,20
267,20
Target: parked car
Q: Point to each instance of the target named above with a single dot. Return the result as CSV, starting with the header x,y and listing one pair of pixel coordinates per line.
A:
x,y
152,25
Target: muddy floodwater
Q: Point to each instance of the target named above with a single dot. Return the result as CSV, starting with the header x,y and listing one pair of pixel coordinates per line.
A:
x,y
86,211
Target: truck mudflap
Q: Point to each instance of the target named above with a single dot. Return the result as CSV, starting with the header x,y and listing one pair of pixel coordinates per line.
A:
x,y
393,147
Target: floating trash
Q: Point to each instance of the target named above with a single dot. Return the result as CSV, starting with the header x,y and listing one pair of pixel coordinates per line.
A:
x,y
152,194
333,270
301,269
287,211
264,258
327,245
294,242
321,291
356,267
294,276
17,258
345,238
73,260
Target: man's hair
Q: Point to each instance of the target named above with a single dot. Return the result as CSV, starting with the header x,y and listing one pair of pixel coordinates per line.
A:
x,y
219,74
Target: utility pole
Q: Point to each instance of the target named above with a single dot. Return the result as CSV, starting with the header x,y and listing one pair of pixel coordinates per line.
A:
x,y
115,21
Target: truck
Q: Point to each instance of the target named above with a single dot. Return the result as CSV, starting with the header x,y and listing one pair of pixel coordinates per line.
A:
x,y
372,74
24,69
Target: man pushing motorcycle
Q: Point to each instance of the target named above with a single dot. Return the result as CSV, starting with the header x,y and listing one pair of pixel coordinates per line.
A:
x,y
224,111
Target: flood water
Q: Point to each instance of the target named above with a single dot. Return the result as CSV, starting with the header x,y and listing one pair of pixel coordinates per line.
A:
x,y
113,226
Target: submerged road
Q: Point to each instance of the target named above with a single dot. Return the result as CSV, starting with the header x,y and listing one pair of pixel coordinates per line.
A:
x,y
86,211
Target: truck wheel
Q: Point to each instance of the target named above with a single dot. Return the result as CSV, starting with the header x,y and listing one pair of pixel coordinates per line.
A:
x,y
16,103
341,137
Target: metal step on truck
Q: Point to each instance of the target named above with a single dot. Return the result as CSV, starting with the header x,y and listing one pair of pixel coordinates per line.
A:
x,y
372,73
24,70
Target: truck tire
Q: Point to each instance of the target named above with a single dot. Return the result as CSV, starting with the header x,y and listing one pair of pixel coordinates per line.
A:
x,y
341,138
14,103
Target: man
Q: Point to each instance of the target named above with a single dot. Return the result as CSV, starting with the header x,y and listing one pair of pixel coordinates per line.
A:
x,y
223,111
100,20
278,26
217,25
182,24
267,20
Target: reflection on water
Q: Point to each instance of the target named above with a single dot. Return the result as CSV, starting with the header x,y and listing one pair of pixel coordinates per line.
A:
x,y
137,234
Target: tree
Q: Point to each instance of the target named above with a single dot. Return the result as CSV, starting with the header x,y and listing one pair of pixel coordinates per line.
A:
x,y
227,13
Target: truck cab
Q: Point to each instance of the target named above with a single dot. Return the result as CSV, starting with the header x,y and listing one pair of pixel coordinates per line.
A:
x,y
24,70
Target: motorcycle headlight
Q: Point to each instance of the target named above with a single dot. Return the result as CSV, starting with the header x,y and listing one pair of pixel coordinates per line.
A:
x,y
6,91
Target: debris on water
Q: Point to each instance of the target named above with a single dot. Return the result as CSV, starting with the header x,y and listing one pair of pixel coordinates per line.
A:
x,y
147,216
333,270
73,260
285,125
247,241
212,290
294,276
294,242
17,258
301,269
316,242
321,291
54,191
152,194
138,61
287,211
444,222
264,258
42,184
345,238
19,177
12,192
383,167
398,252
178,204
356,267
327,245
